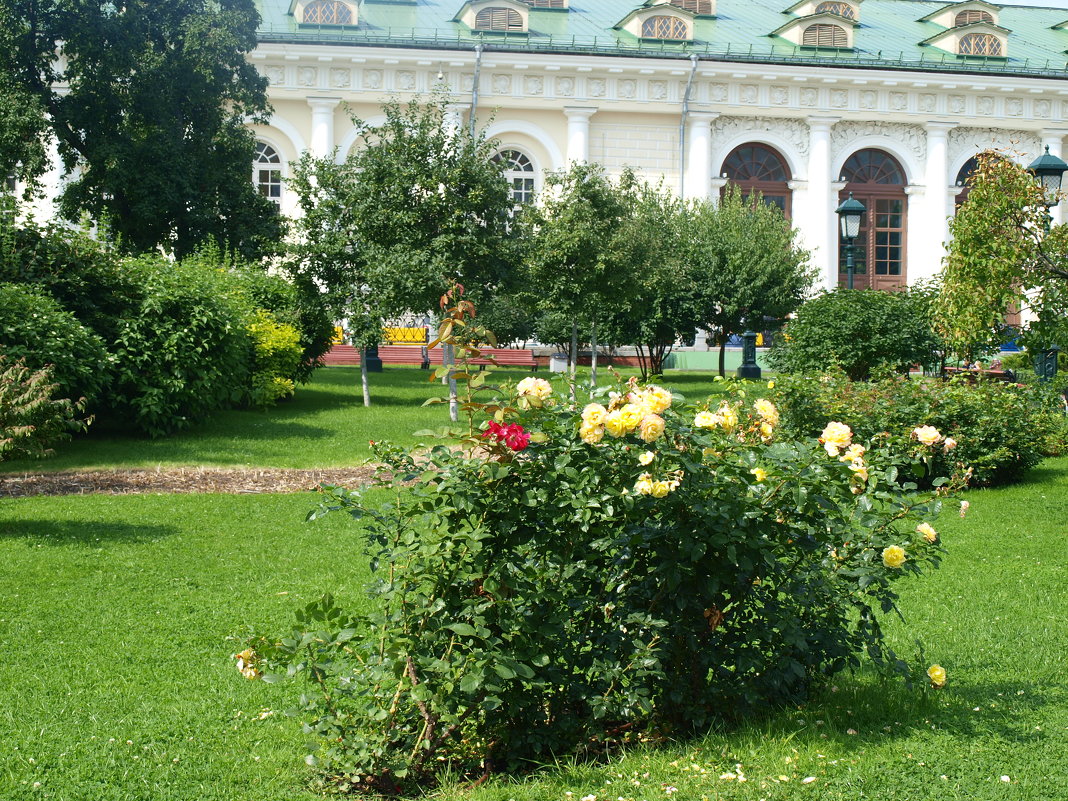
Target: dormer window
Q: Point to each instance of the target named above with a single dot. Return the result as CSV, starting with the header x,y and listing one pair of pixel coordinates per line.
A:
x,y
327,12
980,44
495,16
663,27
823,35
837,7
703,8
499,19
971,16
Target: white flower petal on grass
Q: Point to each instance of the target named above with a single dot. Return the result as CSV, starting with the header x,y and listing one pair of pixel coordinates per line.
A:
x,y
1006,779
808,780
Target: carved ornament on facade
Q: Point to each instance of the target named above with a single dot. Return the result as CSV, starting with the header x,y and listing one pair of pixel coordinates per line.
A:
x,y
844,134
969,141
793,131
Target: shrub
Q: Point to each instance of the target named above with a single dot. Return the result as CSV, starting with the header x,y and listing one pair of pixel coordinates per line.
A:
x,y
858,330
32,418
275,359
34,328
567,580
1001,430
185,351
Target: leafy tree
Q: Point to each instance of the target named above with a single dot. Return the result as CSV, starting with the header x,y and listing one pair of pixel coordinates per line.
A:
x,y
1001,252
147,103
576,254
661,310
745,265
22,152
420,208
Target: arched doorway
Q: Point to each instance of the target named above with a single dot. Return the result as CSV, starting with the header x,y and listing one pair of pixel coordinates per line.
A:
x,y
876,179
755,167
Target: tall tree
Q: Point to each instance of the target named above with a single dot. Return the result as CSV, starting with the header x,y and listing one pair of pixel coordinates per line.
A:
x,y
147,103
420,207
745,264
1001,254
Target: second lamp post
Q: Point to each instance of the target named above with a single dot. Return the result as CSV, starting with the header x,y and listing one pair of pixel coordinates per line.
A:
x,y
850,214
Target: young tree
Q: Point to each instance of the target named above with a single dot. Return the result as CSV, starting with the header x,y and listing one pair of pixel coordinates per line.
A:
x,y
575,252
745,265
417,209
147,103
1000,254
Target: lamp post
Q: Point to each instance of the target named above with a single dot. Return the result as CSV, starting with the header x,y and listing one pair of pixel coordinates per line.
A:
x,y
1049,170
849,214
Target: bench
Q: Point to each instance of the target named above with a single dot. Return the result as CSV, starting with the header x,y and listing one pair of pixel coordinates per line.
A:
x,y
501,357
401,354
973,375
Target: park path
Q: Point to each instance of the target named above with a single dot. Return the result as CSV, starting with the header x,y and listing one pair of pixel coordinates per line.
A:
x,y
183,480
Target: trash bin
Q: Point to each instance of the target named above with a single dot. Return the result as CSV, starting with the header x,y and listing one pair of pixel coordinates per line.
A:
x,y
558,363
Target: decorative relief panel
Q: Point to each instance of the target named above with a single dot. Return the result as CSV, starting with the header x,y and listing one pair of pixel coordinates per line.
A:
x,y
1043,108
502,84
969,141
780,95
307,76
809,96
839,98
565,87
1013,107
717,92
927,103
899,101
984,105
844,134
533,84
340,78
406,80
868,99
658,90
275,74
372,79
747,93
794,131
596,87
956,104
628,88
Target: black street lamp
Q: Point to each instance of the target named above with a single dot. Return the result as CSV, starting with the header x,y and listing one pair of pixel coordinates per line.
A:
x,y
1049,170
849,217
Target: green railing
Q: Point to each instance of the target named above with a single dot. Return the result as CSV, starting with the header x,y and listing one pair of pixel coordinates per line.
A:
x,y
617,46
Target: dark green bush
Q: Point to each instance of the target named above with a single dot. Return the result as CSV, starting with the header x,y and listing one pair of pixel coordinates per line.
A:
x,y
34,328
1001,430
185,350
858,330
32,417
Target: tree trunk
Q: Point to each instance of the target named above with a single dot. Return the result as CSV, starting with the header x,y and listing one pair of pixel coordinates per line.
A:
x,y
593,358
723,354
574,355
363,377
450,362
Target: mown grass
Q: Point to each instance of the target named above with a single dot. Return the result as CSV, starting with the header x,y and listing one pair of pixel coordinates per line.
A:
x,y
324,425
117,683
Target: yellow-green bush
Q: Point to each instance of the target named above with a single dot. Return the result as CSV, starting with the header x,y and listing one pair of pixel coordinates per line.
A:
x,y
275,360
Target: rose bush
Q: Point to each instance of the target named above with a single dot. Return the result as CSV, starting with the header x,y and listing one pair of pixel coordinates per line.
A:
x,y
580,574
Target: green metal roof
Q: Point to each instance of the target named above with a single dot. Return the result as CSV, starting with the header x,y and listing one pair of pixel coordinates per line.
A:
x,y
888,36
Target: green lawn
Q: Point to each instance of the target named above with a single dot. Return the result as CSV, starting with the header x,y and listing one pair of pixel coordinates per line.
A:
x,y
116,678
324,425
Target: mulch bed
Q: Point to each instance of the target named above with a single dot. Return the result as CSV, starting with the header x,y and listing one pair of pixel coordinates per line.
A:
x,y
185,480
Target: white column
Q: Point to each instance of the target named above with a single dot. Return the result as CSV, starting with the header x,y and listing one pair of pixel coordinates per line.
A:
x,y
820,225
697,182
933,223
578,133
322,133
1054,139
454,116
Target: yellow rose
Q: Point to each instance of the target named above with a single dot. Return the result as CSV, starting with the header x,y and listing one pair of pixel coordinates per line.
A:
x,y
928,435
767,431
860,470
591,434
928,532
644,485
949,444
661,489
771,385
760,473
646,458
835,437
651,427
937,675
594,414
706,420
631,414
894,556
728,417
767,411
535,390
852,453
615,424
654,399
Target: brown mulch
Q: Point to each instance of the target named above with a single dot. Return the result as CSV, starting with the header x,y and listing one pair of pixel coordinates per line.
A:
x,y
182,479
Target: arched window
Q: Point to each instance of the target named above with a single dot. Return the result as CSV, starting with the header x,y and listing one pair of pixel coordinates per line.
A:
x,y
267,173
979,44
696,6
877,180
822,35
971,17
758,168
662,27
519,173
499,19
841,9
327,12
